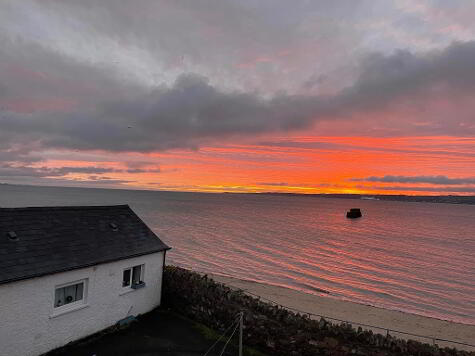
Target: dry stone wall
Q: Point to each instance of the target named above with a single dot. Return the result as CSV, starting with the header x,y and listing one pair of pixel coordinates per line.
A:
x,y
275,330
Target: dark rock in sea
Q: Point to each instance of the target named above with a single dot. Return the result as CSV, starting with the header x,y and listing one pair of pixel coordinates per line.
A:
x,y
354,213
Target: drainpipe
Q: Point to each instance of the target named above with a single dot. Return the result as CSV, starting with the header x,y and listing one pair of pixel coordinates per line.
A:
x,y
163,270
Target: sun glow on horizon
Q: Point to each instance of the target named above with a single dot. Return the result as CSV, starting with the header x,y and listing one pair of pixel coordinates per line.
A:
x,y
291,164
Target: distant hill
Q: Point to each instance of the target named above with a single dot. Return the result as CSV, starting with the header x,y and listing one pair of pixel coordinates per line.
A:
x,y
448,199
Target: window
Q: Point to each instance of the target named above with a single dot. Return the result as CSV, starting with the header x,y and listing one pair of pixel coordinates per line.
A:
x,y
133,277
70,294
126,279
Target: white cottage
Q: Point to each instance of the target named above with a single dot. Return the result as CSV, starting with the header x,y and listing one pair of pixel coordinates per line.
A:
x,y
68,272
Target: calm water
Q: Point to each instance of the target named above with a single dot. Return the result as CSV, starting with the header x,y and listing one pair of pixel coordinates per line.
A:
x,y
415,257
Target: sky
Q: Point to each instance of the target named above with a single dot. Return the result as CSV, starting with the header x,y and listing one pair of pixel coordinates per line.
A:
x,y
302,96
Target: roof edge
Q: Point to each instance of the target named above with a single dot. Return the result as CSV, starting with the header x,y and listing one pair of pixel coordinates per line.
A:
x,y
66,207
164,248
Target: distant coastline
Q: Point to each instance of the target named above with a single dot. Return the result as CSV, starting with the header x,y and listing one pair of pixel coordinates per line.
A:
x,y
446,199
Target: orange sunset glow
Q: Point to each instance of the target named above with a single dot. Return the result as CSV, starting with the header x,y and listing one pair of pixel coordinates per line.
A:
x,y
213,106
296,164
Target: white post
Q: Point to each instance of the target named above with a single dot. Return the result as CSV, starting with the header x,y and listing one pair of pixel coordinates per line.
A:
x,y
240,332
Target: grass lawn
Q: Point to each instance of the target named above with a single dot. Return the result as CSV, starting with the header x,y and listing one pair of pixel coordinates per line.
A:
x,y
159,332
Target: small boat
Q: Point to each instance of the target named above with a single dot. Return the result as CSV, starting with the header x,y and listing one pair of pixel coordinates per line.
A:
x,y
354,213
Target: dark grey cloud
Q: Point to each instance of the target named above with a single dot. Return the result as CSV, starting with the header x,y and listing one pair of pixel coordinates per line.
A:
x,y
107,180
49,99
132,119
469,189
21,153
136,170
141,170
22,171
139,164
385,78
303,145
94,170
213,37
437,180
10,170
63,171
314,81
274,44
85,182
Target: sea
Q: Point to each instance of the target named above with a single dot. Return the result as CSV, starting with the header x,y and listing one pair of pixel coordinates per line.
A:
x,y
408,256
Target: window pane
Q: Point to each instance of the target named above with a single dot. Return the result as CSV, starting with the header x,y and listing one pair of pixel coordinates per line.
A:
x,y
136,274
59,297
69,294
79,291
126,278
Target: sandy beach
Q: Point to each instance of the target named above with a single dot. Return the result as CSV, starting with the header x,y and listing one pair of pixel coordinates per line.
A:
x,y
359,313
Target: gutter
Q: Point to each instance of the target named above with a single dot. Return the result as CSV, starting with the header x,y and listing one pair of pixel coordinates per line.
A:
x,y
164,249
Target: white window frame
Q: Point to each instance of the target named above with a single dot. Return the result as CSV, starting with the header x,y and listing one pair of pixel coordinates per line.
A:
x,y
142,275
79,304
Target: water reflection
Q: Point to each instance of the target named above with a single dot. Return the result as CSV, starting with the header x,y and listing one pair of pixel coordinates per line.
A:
x,y
415,257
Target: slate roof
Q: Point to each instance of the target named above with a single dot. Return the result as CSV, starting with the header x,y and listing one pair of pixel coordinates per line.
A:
x,y
57,239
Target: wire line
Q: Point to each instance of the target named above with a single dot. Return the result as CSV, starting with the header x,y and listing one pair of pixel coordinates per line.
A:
x,y
224,333
227,342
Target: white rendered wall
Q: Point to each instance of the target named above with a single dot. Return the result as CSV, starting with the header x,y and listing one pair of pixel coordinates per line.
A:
x,y
27,324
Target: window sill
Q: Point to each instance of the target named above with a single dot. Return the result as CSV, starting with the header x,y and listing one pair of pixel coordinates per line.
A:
x,y
128,290
138,285
68,310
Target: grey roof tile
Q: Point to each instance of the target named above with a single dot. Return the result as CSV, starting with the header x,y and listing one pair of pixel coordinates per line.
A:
x,y
56,239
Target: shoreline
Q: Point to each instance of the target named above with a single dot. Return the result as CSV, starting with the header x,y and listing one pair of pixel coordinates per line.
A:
x,y
360,314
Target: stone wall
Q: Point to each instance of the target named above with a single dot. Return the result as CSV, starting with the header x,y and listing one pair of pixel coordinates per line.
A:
x,y
275,330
